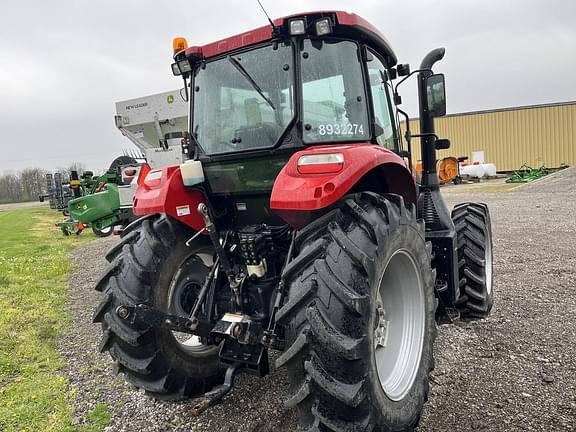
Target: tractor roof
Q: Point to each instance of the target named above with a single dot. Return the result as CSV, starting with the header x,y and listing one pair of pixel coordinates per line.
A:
x,y
347,24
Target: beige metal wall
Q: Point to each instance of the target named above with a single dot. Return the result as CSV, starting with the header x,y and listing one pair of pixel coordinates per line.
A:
x,y
533,135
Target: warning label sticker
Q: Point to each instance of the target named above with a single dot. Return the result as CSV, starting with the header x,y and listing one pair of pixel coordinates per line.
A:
x,y
183,210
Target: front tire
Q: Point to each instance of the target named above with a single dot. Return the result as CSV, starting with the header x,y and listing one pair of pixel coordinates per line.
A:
x,y
152,265
359,318
473,227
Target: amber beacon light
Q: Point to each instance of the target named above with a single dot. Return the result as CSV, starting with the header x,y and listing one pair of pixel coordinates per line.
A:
x,y
179,44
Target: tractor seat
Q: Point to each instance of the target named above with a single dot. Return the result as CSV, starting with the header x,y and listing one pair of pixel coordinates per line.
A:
x,y
257,135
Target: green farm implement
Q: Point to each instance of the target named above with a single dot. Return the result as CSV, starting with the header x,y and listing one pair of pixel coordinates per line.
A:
x,y
104,202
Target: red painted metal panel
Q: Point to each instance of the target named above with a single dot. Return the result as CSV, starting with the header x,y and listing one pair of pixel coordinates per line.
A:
x,y
307,192
170,196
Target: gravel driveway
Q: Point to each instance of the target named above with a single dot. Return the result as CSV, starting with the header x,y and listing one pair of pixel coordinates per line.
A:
x,y
515,371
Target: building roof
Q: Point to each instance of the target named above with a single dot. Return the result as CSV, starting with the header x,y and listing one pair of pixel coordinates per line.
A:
x,y
516,108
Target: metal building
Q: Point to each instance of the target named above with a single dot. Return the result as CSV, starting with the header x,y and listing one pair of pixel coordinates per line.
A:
x,y
534,135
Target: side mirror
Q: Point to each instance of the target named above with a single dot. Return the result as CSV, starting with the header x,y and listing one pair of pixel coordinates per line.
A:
x,y
442,144
436,95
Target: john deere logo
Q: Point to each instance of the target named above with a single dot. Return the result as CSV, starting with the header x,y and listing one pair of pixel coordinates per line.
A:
x,y
170,99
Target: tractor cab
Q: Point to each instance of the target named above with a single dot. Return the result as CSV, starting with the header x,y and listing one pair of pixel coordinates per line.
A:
x,y
306,80
318,79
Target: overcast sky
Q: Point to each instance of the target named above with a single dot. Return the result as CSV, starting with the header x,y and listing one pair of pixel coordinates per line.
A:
x,y
64,63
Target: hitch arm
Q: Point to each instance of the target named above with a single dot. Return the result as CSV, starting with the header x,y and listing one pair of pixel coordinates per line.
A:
x,y
142,314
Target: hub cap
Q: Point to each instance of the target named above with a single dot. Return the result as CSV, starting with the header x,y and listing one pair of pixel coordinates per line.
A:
x,y
106,230
399,325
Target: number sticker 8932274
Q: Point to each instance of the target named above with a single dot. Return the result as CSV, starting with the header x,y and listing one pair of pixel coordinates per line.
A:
x,y
341,129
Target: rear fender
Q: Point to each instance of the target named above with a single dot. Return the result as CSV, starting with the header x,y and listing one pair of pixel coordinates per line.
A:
x,y
366,167
163,191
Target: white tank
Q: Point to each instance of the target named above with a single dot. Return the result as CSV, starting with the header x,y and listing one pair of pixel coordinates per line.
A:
x,y
476,171
489,169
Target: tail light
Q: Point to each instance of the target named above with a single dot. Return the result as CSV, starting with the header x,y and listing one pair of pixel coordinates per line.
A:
x,y
153,178
144,170
324,163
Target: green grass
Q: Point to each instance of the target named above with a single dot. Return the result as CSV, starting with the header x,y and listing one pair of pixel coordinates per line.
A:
x,y
34,270
97,419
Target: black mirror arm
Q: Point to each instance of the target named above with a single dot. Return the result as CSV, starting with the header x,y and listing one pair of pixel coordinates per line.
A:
x,y
439,144
408,76
426,135
408,134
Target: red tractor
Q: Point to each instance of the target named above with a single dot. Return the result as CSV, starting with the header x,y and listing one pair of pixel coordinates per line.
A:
x,y
297,226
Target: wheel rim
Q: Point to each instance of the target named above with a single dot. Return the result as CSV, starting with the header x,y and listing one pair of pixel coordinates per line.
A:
x,y
105,230
488,262
399,325
184,289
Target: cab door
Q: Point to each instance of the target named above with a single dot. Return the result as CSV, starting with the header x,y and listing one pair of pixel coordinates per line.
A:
x,y
384,124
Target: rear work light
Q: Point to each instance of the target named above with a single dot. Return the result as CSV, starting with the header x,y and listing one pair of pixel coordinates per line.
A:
x,y
184,66
324,163
297,27
323,27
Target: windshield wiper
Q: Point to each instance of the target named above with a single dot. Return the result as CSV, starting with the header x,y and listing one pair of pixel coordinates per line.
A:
x,y
246,75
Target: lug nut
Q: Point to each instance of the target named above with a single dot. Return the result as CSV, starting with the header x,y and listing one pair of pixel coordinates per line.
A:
x,y
123,312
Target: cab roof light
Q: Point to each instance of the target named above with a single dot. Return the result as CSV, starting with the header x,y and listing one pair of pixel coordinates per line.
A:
x,y
184,66
179,44
323,26
297,26
176,69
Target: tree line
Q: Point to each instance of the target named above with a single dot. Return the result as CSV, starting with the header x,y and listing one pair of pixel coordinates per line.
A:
x,y
30,183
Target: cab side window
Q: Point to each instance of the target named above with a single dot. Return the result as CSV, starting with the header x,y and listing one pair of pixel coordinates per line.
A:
x,y
380,99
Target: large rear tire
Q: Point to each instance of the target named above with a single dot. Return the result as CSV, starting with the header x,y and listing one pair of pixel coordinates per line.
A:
x,y
152,265
359,318
473,227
